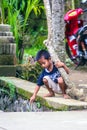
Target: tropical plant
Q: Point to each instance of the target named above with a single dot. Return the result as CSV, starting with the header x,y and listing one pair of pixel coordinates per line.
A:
x,y
71,4
29,71
33,5
12,16
16,13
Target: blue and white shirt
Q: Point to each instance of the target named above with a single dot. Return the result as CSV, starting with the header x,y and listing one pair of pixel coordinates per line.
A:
x,y
54,74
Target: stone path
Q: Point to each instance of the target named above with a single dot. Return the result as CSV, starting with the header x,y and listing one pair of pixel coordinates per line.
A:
x,y
71,120
79,77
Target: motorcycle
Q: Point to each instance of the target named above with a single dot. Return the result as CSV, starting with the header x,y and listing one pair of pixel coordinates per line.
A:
x,y
76,37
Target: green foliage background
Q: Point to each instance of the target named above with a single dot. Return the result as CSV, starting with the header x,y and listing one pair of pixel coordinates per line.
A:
x,y
26,18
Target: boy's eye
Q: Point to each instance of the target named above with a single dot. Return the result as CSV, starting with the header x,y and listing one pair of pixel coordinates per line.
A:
x,y
43,63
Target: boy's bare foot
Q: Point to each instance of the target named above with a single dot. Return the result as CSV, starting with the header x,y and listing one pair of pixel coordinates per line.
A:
x,y
66,96
49,95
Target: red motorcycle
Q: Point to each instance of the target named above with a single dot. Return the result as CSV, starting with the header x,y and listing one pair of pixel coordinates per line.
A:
x,y
76,36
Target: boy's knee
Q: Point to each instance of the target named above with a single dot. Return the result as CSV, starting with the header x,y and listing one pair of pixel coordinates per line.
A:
x,y
60,80
45,80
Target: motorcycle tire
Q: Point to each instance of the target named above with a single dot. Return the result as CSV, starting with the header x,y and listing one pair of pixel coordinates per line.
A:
x,y
75,60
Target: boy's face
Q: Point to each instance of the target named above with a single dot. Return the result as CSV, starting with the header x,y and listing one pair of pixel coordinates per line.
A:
x,y
45,63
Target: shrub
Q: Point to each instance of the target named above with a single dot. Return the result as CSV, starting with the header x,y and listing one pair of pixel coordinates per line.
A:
x,y
29,71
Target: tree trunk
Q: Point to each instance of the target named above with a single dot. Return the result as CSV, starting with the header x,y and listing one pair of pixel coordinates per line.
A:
x,y
54,42
84,16
58,28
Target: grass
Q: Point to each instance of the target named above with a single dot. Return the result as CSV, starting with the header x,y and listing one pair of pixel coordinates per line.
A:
x,y
31,51
37,45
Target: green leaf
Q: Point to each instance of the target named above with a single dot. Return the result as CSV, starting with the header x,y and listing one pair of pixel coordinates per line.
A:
x,y
38,105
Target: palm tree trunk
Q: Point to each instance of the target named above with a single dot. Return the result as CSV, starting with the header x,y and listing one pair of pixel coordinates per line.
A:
x,y
73,4
48,7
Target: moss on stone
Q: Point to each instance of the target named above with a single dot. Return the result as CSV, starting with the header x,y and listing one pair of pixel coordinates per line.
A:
x,y
5,83
46,104
23,93
26,94
7,59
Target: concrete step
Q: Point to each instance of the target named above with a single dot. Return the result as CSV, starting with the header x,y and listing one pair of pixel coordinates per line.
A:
x,y
5,27
6,33
6,39
26,89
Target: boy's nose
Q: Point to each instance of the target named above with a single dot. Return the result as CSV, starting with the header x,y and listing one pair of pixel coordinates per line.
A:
x,y
43,66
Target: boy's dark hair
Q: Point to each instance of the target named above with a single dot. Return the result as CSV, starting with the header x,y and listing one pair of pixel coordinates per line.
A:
x,y
41,53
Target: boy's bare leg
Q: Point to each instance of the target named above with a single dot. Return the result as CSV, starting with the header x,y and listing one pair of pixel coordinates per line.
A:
x,y
63,87
51,93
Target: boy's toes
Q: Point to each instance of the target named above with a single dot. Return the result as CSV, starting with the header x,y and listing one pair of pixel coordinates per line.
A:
x,y
49,95
66,96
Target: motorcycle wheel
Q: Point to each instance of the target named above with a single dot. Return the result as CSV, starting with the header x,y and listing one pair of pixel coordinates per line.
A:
x,y
75,60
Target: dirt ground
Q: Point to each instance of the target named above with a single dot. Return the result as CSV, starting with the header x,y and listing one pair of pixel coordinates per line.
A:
x,y
79,76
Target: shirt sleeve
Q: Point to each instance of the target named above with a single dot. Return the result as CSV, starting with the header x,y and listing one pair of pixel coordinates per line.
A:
x,y
40,80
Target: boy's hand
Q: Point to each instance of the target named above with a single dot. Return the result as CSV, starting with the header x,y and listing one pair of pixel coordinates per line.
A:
x,y
59,64
35,93
32,99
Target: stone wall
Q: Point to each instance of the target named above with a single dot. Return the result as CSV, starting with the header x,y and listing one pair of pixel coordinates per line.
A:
x,y
7,51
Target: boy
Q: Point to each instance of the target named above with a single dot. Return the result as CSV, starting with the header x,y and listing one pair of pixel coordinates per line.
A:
x,y
50,76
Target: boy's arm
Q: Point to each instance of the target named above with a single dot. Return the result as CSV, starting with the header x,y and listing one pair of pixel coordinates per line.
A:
x,y
61,64
34,94
66,69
